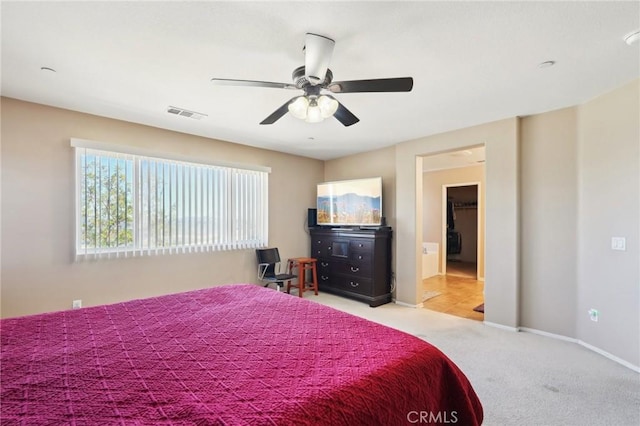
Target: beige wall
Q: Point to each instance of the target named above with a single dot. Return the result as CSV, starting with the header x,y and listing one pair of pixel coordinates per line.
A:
x,y
376,163
609,206
432,225
500,139
501,220
580,186
549,212
38,272
559,185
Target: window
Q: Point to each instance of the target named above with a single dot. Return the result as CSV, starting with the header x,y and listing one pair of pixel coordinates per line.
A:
x,y
129,204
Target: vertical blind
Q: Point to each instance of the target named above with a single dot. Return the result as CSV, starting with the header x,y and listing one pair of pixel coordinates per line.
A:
x,y
132,205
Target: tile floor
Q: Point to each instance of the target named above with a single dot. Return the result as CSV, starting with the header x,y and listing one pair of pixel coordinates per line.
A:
x,y
459,295
462,269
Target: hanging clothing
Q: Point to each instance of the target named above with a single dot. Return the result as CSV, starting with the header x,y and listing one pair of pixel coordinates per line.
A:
x,y
451,215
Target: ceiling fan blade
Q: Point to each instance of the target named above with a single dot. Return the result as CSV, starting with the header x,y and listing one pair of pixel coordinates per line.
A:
x,y
278,114
317,55
402,84
251,83
345,116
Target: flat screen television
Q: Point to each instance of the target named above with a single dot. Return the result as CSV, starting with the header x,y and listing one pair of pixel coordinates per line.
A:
x,y
355,202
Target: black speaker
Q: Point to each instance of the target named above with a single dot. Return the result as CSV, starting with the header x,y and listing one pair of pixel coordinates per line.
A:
x,y
312,218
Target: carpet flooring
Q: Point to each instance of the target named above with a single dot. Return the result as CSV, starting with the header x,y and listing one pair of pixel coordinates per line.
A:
x,y
521,378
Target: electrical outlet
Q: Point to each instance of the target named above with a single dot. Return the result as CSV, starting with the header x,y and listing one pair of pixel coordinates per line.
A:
x,y
77,304
594,314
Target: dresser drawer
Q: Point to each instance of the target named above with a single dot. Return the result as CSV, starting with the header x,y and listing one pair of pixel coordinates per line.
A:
x,y
361,251
352,284
320,247
361,257
361,244
353,269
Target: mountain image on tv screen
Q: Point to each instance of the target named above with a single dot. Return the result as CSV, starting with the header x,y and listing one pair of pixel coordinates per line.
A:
x,y
350,202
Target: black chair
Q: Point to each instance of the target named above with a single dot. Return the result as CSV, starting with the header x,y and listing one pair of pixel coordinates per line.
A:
x,y
269,266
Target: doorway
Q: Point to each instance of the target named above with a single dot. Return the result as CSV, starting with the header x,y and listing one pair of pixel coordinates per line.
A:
x,y
458,289
461,227
453,233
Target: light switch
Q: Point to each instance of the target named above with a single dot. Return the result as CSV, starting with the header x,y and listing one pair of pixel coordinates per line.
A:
x,y
618,243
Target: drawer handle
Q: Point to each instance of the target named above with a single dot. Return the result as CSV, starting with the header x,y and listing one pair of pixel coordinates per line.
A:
x,y
323,278
324,263
354,269
360,245
356,284
329,248
360,257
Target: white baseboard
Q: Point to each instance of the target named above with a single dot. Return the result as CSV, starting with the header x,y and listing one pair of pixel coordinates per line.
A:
x,y
500,326
547,334
610,356
408,305
584,344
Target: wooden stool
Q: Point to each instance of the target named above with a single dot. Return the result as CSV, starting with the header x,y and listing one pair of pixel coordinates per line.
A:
x,y
303,264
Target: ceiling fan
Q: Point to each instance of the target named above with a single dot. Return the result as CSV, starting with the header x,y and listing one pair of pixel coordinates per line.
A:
x,y
316,79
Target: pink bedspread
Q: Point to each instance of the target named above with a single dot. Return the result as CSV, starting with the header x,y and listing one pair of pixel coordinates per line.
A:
x,y
229,355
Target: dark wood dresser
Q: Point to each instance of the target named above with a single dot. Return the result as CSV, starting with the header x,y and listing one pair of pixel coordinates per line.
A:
x,y
354,263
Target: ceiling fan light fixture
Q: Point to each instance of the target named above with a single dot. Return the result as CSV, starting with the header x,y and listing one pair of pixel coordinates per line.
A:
x,y
314,113
312,108
328,106
298,108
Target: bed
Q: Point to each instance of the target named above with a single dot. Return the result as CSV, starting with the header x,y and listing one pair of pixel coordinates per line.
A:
x,y
229,355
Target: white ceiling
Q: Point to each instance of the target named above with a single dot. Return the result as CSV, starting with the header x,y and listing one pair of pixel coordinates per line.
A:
x,y
471,62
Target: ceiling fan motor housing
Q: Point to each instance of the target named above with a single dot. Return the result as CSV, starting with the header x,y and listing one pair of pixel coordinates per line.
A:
x,y
302,82
318,50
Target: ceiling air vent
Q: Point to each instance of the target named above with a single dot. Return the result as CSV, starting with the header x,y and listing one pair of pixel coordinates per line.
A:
x,y
185,113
